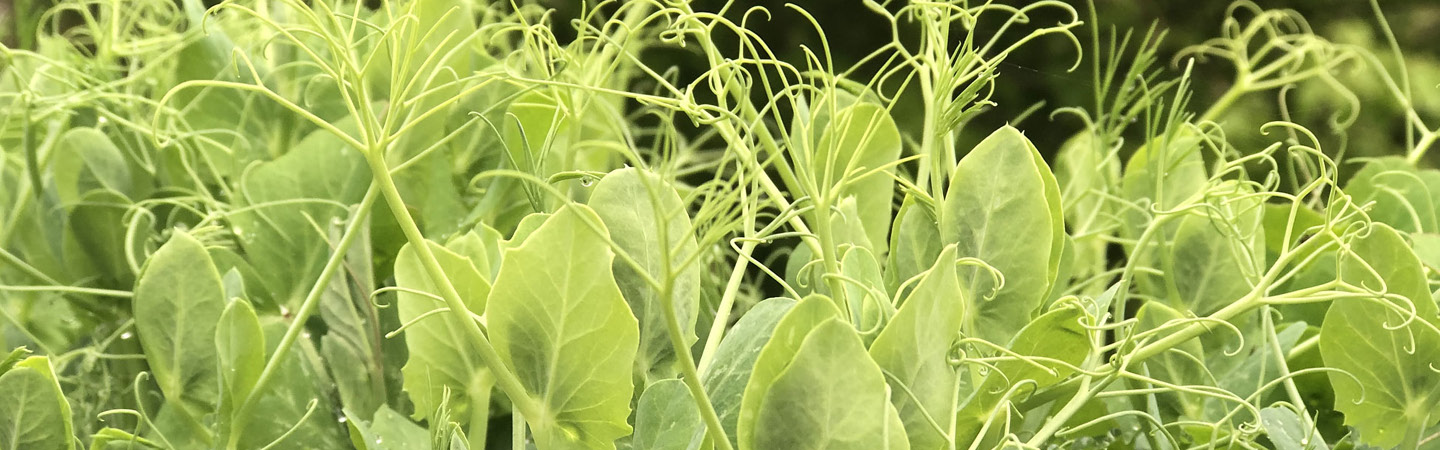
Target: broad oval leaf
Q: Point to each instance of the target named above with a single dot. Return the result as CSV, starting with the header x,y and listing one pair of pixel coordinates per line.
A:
x,y
442,357
726,378
287,202
1057,340
1404,196
35,415
914,241
830,395
666,417
178,303
647,220
1394,367
560,322
777,353
1291,431
1003,207
87,160
914,350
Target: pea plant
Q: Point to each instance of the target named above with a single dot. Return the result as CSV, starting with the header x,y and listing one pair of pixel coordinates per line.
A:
x,y
430,224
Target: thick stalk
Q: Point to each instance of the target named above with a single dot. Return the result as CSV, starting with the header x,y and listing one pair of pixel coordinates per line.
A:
x,y
504,378
307,308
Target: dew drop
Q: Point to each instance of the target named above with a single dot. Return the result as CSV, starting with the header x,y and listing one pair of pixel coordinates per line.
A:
x,y
126,335
587,181
379,440
342,419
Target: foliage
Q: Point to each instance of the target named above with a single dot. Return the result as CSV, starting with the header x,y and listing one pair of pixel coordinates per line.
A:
x,y
334,224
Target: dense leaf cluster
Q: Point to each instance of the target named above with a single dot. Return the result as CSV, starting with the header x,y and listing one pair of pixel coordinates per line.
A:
x,y
326,224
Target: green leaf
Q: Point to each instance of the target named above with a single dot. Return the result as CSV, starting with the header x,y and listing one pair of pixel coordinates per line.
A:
x,y
1277,218
666,417
1288,431
352,344
914,351
1000,191
87,160
1427,249
1394,367
94,239
535,138
282,407
775,356
726,378
640,209
559,321
442,357
1162,173
15,356
1218,257
915,241
1057,336
829,395
860,138
1085,173
117,439
870,305
389,430
35,415
1403,195
289,202
1183,364
240,348
178,303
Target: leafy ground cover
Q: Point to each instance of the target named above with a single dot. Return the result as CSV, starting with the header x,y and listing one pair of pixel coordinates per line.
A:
x,y
412,224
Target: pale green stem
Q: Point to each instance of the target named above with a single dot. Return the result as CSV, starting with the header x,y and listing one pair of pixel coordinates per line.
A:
x,y
517,430
1280,361
727,302
307,307
505,379
692,377
1239,89
1426,141
480,409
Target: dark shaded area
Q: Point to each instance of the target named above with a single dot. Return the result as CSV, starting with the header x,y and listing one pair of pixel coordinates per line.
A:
x,y
1040,72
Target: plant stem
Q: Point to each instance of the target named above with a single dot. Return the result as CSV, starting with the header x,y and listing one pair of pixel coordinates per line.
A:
x,y
505,379
692,377
1426,140
517,430
480,409
307,307
727,303
1225,101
